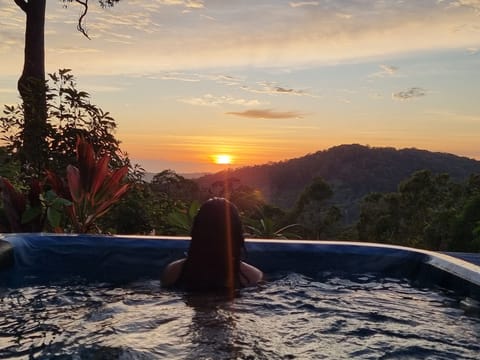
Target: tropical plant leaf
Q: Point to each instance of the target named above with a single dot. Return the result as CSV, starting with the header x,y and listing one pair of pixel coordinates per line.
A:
x,y
74,183
31,214
93,187
86,162
179,220
57,184
14,204
193,209
54,217
101,172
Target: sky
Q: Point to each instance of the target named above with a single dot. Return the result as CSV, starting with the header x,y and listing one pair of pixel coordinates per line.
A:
x,y
266,80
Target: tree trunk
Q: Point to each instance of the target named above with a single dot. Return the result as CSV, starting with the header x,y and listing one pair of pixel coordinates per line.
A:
x,y
32,88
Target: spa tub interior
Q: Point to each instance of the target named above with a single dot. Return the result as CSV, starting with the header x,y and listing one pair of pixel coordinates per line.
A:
x,y
333,318
117,259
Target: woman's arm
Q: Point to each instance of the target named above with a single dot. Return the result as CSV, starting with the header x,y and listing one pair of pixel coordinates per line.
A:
x,y
172,272
252,275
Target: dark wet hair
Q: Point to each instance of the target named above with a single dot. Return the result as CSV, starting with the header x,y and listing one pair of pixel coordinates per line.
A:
x,y
214,256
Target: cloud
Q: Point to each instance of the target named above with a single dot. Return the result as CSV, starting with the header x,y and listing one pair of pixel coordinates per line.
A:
x,y
274,89
194,4
195,77
389,69
180,77
303,3
161,38
13,28
282,90
94,88
473,50
344,16
267,114
408,94
386,70
210,18
473,4
212,100
225,79
190,4
262,87
375,95
73,50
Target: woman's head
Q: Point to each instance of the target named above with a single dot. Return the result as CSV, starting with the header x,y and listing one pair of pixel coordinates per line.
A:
x,y
216,246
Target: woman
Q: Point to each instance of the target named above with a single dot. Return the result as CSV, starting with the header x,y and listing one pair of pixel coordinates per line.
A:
x,y
214,257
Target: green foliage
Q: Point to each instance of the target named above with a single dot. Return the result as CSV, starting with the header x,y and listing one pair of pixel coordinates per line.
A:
x,y
94,188
466,228
175,186
53,207
9,166
248,200
353,171
171,193
34,210
182,218
69,115
91,190
379,218
428,211
135,213
318,217
265,228
318,190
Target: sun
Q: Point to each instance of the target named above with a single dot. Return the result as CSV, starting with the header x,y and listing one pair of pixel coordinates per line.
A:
x,y
222,159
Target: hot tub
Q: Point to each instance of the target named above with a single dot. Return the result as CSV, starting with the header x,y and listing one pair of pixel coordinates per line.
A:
x,y
83,296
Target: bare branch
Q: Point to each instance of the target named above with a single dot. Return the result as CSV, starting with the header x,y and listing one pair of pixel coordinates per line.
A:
x,y
22,4
80,26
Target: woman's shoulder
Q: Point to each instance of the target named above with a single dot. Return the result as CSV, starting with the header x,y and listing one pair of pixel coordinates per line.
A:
x,y
251,275
172,272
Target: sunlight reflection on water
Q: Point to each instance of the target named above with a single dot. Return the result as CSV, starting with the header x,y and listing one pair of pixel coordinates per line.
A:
x,y
290,317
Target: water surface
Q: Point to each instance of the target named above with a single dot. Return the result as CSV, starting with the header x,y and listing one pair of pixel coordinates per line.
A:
x,y
292,316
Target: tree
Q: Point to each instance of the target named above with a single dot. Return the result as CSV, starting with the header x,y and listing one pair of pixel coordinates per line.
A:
x,y
317,191
135,213
420,214
9,165
466,228
380,218
69,115
313,213
31,84
428,204
175,203
175,186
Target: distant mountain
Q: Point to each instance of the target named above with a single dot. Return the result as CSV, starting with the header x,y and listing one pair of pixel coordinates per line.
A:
x,y
148,176
351,170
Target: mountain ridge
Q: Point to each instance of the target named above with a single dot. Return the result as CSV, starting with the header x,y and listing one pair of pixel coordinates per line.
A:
x,y
352,170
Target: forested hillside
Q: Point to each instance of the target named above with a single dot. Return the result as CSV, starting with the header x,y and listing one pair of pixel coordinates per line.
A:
x,y
352,171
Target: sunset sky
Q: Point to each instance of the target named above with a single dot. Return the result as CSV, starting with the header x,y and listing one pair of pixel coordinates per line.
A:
x,y
261,81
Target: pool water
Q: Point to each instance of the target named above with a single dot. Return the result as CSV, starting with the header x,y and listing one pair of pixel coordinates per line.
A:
x,y
291,316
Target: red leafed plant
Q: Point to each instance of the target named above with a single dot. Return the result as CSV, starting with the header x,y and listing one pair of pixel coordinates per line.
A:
x,y
93,187
34,210
14,203
89,192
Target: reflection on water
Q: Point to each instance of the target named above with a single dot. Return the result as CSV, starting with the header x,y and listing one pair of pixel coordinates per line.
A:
x,y
290,317
213,333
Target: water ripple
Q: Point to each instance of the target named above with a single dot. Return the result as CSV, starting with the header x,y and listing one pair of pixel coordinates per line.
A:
x,y
331,316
